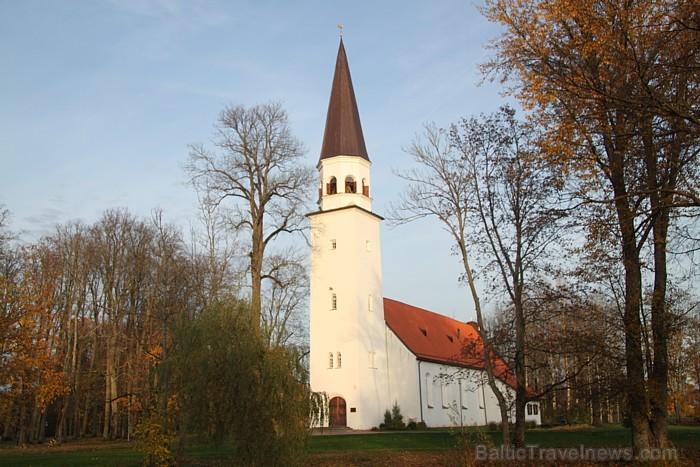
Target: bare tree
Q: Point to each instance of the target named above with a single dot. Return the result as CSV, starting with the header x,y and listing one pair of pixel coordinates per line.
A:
x,y
257,170
442,187
516,209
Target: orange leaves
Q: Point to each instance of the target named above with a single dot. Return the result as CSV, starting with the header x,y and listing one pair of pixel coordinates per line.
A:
x,y
30,362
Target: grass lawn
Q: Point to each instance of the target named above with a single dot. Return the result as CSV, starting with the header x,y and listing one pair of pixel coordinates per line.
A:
x,y
95,452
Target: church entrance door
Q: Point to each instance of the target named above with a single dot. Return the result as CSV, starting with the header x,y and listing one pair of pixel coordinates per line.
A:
x,y
338,418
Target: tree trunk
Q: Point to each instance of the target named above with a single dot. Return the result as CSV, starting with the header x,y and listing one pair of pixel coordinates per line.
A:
x,y
256,264
488,350
660,210
110,389
520,380
637,398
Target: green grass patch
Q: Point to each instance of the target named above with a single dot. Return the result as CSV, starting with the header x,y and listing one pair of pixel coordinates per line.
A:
x,y
87,456
122,453
382,441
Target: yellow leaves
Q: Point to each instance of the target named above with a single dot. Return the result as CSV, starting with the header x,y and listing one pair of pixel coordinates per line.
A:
x,y
152,438
52,385
30,363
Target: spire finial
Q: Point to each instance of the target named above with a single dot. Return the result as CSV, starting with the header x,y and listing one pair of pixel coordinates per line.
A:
x,y
340,28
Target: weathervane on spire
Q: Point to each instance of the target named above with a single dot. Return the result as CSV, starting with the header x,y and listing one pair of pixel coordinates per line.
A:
x,y
340,28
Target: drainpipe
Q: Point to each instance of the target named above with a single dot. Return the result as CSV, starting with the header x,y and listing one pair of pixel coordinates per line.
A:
x,y
420,391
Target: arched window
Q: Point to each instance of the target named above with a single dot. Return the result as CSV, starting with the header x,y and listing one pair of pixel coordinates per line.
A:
x,y
365,188
338,361
350,184
330,359
332,186
334,301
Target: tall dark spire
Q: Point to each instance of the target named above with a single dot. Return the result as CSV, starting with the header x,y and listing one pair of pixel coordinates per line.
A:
x,y
343,134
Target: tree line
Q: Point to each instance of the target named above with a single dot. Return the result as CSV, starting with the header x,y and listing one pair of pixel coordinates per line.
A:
x,y
129,327
607,153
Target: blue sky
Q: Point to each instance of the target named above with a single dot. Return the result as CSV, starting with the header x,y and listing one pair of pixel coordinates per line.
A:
x,y
99,100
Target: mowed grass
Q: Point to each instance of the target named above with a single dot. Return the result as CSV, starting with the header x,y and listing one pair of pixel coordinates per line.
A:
x,y
122,453
563,437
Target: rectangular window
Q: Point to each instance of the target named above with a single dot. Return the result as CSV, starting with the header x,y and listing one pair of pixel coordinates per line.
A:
x,y
334,244
368,245
372,359
529,409
443,395
464,387
429,390
370,305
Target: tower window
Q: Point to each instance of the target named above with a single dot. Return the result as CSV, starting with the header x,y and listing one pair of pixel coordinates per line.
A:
x,y
330,359
334,301
365,188
332,186
338,360
368,245
370,304
334,244
350,185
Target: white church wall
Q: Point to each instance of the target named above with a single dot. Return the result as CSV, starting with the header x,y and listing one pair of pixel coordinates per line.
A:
x,y
440,395
347,313
403,382
453,396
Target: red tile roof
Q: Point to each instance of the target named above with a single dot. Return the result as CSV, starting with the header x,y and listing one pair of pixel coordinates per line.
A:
x,y
437,338
343,134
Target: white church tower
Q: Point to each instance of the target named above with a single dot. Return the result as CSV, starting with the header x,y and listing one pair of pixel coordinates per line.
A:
x,y
348,359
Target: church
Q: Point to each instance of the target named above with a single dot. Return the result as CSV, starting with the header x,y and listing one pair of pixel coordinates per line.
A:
x,y
369,352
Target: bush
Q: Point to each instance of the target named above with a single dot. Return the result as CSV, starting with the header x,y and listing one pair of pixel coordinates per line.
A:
x,y
411,424
421,426
152,439
393,420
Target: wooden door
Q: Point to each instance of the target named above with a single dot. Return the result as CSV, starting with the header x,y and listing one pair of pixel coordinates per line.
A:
x,y
338,417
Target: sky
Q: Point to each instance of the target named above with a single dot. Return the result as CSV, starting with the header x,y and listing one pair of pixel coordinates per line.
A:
x,y
99,100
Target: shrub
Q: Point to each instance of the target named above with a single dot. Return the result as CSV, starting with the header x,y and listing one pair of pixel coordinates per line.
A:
x,y
388,422
421,426
152,439
393,420
411,424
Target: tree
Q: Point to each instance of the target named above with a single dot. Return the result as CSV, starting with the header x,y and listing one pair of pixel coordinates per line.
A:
x,y
258,166
616,84
441,187
29,363
230,386
515,216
